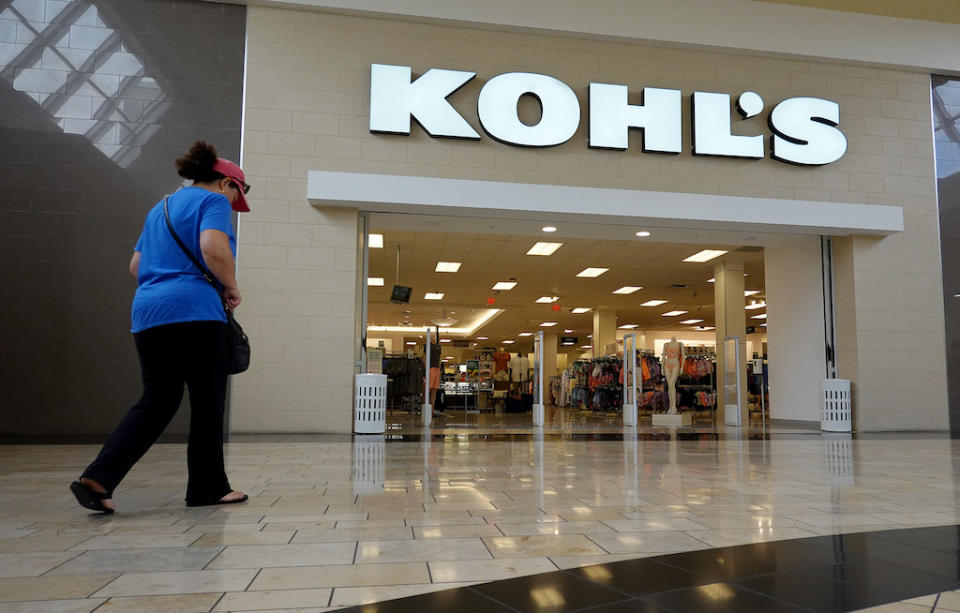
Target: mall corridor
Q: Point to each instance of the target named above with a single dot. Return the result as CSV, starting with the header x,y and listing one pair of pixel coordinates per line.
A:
x,y
479,521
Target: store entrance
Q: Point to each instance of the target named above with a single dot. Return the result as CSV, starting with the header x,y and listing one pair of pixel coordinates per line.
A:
x,y
482,292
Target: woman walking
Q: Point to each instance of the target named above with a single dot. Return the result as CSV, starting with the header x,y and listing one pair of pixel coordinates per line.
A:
x,y
179,328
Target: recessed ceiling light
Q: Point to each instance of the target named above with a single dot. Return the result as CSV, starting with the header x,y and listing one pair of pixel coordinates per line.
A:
x,y
580,310
627,289
548,324
375,241
544,248
411,342
481,338
592,272
629,326
549,229
447,267
374,281
653,303
504,285
643,234
547,299
763,325
568,330
751,292
508,342
705,256
444,340
567,344
525,334
760,316
589,336
673,313
755,305
711,280
691,321
433,296
586,346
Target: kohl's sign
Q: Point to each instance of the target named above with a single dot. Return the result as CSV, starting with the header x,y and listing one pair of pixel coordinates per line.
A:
x,y
804,129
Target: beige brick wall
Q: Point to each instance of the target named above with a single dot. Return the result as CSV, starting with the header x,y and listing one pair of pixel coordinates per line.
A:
x,y
307,97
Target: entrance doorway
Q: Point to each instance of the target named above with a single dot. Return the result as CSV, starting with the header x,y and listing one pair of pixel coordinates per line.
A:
x,y
485,288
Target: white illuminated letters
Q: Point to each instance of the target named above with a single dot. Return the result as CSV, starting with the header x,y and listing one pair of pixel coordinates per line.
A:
x,y
394,99
711,129
805,132
497,107
658,116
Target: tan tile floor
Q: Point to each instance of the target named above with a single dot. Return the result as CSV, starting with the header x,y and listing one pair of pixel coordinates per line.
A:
x,y
332,524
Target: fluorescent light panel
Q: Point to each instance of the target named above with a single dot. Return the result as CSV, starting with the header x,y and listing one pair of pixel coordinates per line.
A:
x,y
544,248
525,334
447,266
548,324
433,296
673,313
508,342
580,310
751,292
629,326
756,305
627,289
444,340
760,316
481,338
653,303
374,281
705,256
692,321
547,299
504,285
592,272
375,241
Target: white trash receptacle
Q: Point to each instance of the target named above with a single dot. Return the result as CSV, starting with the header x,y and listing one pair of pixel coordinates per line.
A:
x,y
836,405
370,404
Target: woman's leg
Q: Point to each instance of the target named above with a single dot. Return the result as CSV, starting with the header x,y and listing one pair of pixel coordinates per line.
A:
x,y
207,382
163,378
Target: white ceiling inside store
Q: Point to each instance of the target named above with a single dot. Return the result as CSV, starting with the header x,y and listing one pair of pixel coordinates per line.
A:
x,y
491,258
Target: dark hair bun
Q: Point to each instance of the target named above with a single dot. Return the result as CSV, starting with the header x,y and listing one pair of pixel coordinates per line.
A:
x,y
197,164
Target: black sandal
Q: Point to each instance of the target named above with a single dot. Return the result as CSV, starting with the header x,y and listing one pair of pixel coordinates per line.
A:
x,y
91,499
208,503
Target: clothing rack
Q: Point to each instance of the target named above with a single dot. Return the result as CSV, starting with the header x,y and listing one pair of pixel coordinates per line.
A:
x,y
696,386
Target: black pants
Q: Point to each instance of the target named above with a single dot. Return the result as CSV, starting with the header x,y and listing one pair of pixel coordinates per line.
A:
x,y
191,353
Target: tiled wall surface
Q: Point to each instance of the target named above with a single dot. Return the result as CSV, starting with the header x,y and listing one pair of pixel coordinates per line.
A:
x,y
96,101
308,88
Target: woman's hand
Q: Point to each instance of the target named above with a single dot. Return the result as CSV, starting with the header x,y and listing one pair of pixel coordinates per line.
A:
x,y
232,296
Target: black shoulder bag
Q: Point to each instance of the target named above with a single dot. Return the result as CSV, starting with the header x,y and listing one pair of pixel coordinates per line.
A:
x,y
238,345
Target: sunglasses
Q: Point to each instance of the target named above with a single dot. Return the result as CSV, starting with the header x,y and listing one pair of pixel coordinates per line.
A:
x,y
245,188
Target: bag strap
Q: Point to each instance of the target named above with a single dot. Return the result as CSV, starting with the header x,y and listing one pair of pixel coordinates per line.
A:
x,y
207,275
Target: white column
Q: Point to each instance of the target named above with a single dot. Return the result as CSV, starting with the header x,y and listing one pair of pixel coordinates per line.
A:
x,y
795,335
728,304
604,329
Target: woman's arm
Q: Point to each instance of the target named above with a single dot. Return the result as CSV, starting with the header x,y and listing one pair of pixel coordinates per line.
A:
x,y
134,267
215,248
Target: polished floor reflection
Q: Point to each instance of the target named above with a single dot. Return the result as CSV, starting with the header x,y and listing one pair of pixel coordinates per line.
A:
x,y
334,522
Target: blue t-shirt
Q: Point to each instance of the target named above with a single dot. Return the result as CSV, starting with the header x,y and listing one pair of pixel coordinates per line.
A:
x,y
171,289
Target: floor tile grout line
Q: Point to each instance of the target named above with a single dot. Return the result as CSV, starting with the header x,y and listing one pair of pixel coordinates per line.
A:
x,y
488,597
936,601
217,601
50,570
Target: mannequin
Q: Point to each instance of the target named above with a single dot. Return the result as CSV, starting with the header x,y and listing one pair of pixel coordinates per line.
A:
x,y
500,361
672,362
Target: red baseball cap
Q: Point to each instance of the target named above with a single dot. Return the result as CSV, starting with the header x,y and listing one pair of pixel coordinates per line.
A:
x,y
231,170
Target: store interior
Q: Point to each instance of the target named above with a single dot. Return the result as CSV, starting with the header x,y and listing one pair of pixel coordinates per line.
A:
x,y
485,293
